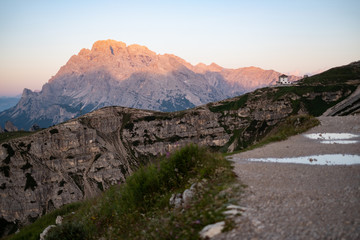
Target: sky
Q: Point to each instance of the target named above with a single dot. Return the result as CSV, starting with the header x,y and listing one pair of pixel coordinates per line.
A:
x,y
300,37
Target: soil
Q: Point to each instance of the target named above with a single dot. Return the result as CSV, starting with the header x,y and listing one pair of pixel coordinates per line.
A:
x,y
300,201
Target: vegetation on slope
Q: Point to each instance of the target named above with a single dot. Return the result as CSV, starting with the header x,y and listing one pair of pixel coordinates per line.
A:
x,y
139,209
335,75
6,136
32,231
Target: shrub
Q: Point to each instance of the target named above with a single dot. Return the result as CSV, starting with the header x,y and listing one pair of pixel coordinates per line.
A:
x,y
53,131
68,231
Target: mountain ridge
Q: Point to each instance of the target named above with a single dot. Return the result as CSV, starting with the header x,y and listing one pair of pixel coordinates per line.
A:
x,y
112,73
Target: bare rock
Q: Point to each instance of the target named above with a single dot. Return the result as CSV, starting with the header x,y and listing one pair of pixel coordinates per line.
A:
x,y
176,200
187,195
59,220
212,230
46,231
10,127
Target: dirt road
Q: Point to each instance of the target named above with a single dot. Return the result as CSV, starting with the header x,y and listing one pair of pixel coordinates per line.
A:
x,y
300,201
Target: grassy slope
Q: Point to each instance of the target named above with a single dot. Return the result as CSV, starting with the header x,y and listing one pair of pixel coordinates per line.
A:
x,y
335,75
139,209
6,136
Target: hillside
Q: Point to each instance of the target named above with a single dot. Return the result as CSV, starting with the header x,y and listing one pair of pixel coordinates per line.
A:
x,y
82,157
114,74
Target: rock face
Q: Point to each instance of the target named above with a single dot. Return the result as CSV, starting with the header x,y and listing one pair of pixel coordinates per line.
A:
x,y
113,74
350,105
82,157
9,127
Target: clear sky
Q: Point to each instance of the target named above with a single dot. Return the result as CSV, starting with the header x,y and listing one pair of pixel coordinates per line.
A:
x,y
37,37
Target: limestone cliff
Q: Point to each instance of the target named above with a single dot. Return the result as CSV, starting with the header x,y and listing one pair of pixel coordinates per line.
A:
x,y
82,157
114,74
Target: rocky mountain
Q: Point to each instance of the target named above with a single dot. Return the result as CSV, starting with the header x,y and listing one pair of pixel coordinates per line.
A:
x,y
113,74
83,156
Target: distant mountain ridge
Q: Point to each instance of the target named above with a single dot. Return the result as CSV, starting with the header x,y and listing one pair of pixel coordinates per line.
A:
x,y
112,73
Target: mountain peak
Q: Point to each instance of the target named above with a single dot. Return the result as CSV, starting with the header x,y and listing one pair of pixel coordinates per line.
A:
x,y
107,46
115,47
215,68
113,73
136,48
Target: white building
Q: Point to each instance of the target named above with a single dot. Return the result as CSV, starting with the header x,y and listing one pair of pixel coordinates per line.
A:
x,y
283,80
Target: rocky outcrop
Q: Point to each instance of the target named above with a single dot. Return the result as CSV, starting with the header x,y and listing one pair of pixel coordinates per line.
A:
x,y
10,127
84,156
350,105
113,74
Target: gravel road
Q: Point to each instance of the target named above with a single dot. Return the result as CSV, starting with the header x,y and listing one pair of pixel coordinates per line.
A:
x,y
300,201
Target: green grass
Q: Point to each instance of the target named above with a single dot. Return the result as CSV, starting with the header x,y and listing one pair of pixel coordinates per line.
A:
x,y
315,106
335,75
4,137
32,231
139,208
291,126
231,104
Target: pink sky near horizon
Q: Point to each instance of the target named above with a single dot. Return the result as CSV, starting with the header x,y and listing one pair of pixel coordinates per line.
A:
x,y
291,37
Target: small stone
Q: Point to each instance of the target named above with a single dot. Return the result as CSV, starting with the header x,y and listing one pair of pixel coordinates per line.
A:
x,y
232,212
212,230
176,200
187,196
59,220
232,206
45,232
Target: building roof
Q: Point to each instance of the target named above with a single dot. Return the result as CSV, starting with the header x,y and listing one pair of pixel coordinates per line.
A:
x,y
283,75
